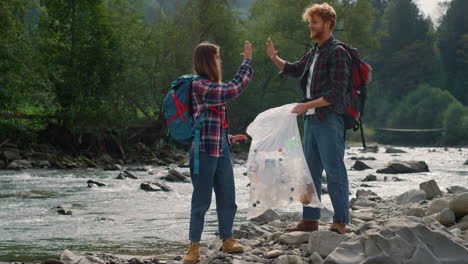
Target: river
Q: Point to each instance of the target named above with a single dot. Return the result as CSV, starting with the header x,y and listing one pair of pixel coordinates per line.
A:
x,y
123,220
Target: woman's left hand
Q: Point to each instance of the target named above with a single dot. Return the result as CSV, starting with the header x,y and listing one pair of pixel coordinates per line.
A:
x,y
236,138
300,108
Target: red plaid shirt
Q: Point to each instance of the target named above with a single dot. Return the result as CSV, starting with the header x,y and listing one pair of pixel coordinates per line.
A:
x,y
330,77
207,94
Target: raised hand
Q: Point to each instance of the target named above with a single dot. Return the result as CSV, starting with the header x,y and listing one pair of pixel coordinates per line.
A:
x,y
247,54
235,139
270,47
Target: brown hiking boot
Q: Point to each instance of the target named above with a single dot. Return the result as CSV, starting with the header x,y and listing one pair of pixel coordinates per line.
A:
x,y
338,227
193,253
230,245
305,226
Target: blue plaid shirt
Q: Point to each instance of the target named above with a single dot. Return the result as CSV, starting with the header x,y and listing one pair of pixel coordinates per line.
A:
x,y
207,94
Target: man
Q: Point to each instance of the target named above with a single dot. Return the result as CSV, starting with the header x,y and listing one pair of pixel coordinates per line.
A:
x,y
324,72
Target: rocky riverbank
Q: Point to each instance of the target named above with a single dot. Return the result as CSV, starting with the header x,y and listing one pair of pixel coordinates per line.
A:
x,y
425,225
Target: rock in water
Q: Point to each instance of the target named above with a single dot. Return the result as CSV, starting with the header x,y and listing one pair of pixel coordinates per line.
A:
x,y
150,187
91,183
456,189
370,177
394,150
400,240
360,166
430,188
396,167
175,176
466,162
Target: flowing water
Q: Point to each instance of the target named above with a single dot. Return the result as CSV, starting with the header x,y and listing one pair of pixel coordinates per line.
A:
x,y
122,219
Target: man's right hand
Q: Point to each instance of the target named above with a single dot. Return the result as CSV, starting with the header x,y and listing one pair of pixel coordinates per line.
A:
x,y
270,46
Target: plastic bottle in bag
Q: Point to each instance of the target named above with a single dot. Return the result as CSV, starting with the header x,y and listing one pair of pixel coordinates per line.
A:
x,y
276,165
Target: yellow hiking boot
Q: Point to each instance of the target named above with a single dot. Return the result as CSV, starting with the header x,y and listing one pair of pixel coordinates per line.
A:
x,y
230,245
193,253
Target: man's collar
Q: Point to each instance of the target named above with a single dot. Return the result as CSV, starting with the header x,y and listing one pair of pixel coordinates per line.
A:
x,y
324,45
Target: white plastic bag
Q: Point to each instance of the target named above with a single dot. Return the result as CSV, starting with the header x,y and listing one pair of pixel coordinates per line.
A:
x,y
277,168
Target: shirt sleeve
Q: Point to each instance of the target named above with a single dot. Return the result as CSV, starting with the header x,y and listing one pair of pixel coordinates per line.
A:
x,y
215,94
295,69
339,74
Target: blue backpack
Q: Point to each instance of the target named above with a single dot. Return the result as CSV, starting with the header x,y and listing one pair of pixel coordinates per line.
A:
x,y
181,125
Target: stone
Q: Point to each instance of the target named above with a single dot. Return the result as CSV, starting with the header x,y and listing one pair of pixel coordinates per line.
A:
x,y
456,189
411,196
362,158
364,216
52,261
363,193
273,253
324,242
360,166
19,165
294,238
370,177
456,232
401,240
370,149
459,205
92,183
415,211
175,176
396,167
44,164
446,217
466,162
466,236
394,150
126,174
362,202
12,154
430,188
289,259
150,187
437,206
2,164
315,258
267,217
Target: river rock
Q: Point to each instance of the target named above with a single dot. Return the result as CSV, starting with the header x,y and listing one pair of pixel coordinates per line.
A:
x,y
267,217
52,261
11,154
364,216
394,150
370,177
446,217
360,166
400,240
430,188
437,206
415,211
126,174
44,164
289,259
2,164
370,149
294,238
411,196
362,158
91,183
19,165
363,193
466,162
466,236
150,187
273,253
459,205
456,189
324,242
175,176
396,167
362,202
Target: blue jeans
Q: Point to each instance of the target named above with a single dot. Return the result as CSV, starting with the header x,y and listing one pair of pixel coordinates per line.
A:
x,y
215,173
324,145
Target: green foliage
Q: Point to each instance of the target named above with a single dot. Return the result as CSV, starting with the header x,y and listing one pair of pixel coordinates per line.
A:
x,y
456,125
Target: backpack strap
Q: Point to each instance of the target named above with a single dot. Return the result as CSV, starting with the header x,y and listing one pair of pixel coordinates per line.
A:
x,y
196,144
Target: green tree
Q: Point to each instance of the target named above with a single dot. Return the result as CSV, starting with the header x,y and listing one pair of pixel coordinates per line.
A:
x,y
454,48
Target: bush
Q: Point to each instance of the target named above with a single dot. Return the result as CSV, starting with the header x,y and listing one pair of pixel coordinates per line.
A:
x,y
456,125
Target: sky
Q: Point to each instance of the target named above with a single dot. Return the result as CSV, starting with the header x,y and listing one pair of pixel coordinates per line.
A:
x,y
430,7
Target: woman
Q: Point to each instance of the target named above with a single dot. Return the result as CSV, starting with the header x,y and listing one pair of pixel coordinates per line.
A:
x,y
209,96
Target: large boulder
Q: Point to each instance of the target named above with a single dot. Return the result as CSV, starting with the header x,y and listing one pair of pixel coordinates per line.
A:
x,y
437,206
396,167
11,154
401,240
456,189
459,205
430,188
19,165
411,196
